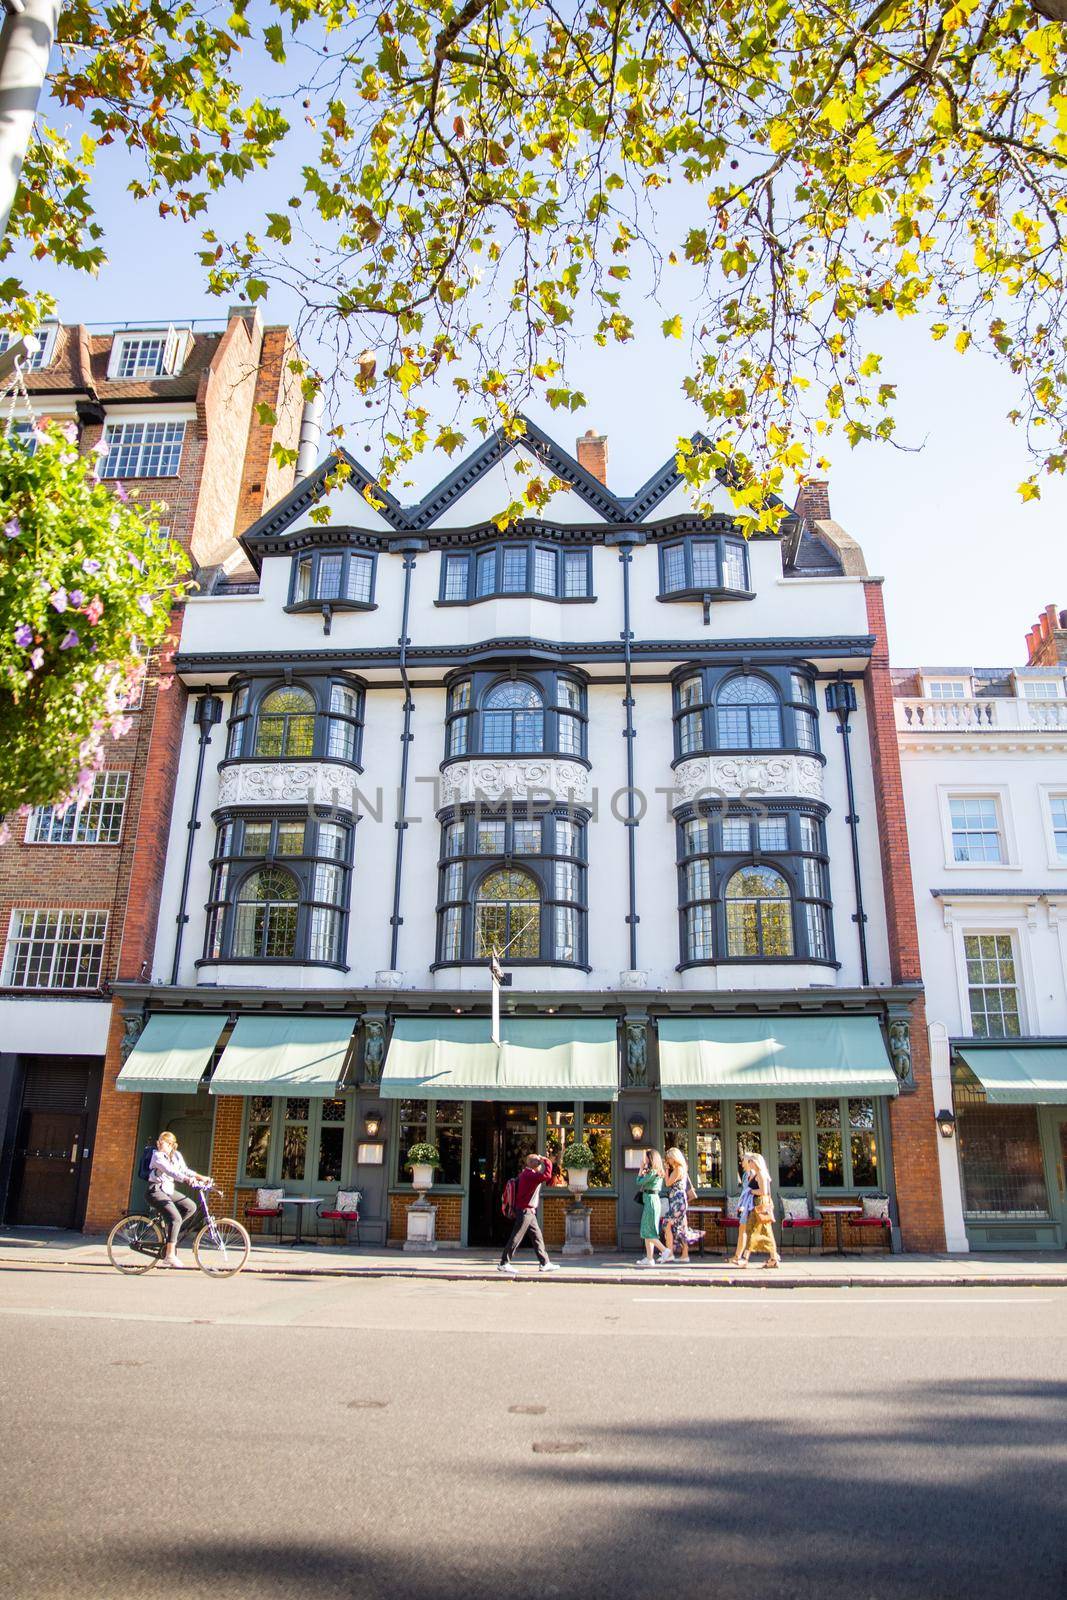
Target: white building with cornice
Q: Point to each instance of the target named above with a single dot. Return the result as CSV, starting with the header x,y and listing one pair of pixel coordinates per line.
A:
x,y
605,744
983,753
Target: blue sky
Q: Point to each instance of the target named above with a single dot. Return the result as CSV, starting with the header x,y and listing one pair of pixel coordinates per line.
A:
x,y
968,567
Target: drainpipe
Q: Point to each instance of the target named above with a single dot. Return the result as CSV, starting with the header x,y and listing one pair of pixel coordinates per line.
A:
x,y
841,699
625,543
408,548
206,713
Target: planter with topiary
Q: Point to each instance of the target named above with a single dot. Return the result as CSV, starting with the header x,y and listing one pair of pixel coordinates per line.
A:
x,y
576,1161
422,1159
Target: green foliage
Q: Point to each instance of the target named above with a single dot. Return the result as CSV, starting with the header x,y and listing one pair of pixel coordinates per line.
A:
x,y
578,1157
86,587
423,1155
490,177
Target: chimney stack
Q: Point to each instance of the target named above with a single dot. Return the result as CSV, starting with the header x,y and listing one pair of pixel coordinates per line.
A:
x,y
813,501
593,454
1046,642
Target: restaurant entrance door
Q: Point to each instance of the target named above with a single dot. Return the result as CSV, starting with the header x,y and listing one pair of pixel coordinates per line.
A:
x,y
502,1136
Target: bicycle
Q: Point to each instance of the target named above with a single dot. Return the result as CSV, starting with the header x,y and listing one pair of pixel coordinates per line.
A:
x,y
221,1247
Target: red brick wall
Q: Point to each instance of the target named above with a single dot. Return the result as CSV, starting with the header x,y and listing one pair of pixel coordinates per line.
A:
x,y
116,1141
911,1116
449,1216
264,482
602,1230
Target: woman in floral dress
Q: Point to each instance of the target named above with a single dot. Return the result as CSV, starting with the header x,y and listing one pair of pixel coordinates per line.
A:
x,y
678,1233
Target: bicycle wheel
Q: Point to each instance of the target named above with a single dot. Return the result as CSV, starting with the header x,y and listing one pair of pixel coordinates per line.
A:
x,y
221,1247
135,1244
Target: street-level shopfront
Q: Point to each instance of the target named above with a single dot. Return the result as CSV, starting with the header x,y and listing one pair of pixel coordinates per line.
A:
x,y
311,1104
1010,1104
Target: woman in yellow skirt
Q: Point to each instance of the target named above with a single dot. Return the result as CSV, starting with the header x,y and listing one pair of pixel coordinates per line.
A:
x,y
758,1230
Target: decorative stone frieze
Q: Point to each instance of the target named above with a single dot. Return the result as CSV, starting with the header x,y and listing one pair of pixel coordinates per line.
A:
x,y
537,778
283,783
735,776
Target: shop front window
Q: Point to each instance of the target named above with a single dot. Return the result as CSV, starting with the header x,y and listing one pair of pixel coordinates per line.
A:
x,y
590,1123
790,1142
448,1137
257,1142
748,1126
847,1144
413,1124
331,1141
1001,1160
596,1131
295,1140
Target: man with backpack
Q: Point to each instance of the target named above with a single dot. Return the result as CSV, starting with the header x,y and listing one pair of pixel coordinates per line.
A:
x,y
521,1197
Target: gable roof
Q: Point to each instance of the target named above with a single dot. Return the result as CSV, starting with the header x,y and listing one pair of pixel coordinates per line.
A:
x,y
615,510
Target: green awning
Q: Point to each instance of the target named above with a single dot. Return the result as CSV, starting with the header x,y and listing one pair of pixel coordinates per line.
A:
x,y
538,1058
753,1058
284,1055
171,1055
1020,1076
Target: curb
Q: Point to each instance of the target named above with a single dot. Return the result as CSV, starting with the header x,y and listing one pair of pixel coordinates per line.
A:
x,y
575,1277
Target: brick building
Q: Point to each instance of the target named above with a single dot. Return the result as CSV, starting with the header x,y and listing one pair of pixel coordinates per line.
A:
x,y
655,766
172,410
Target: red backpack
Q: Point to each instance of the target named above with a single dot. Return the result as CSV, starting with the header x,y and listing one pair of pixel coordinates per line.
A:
x,y
508,1200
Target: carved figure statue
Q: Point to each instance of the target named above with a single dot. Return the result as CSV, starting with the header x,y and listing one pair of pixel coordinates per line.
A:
x,y
373,1050
900,1050
636,1057
134,1026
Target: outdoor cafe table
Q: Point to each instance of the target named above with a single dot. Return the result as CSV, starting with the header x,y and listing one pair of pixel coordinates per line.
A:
x,y
299,1201
837,1210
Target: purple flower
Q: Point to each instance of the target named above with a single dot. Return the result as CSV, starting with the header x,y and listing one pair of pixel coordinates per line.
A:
x,y
37,659
76,597
120,493
59,599
23,636
137,565
12,528
89,565
69,640
145,603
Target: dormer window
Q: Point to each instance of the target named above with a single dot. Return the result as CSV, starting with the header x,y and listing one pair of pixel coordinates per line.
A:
x,y
711,565
147,353
45,345
341,579
948,688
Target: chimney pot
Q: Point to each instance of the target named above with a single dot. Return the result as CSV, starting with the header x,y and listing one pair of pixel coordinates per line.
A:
x,y
593,454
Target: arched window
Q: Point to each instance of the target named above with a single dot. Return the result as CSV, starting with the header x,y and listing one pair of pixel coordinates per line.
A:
x,y
286,724
759,913
507,916
513,720
265,916
749,715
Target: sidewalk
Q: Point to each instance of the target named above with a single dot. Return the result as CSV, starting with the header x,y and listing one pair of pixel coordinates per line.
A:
x,y
43,1250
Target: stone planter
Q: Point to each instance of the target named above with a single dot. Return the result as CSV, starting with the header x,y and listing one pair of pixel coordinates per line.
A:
x,y
422,1176
577,1179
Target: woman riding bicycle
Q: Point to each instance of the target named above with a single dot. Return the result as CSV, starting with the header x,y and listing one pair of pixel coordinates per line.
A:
x,y
168,1167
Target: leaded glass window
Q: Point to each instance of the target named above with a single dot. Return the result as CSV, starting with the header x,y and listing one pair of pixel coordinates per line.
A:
x,y
759,914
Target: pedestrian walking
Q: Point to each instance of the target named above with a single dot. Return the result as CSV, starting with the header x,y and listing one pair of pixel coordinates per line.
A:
x,y
755,1212
649,1187
680,1191
166,1168
527,1194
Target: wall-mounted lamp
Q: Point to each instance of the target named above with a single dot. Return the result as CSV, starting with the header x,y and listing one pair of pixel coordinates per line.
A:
x,y
372,1123
637,1129
841,697
946,1124
207,711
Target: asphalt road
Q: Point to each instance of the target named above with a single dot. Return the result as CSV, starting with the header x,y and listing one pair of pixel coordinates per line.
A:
x,y
424,1441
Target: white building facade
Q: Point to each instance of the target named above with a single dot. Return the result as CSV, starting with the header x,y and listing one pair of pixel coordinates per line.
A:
x,y
598,743
984,761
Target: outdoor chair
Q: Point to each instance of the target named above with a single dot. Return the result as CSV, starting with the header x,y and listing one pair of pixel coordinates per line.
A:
x,y
344,1214
267,1206
875,1221
797,1221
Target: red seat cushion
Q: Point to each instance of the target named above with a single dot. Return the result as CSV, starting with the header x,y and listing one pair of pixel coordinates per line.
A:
x,y
731,1222
263,1211
801,1222
868,1222
340,1216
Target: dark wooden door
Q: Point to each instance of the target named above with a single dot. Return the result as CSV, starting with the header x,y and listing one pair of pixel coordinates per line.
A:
x,y
50,1172
48,1154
